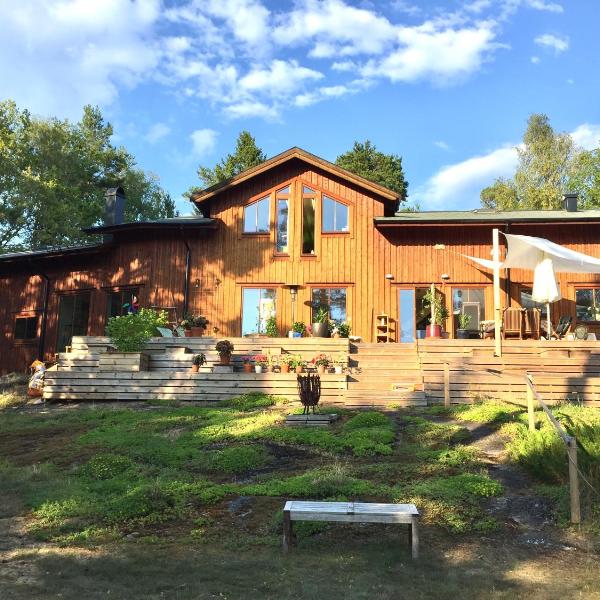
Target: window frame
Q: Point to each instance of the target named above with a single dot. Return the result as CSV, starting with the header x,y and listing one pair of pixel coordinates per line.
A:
x,y
268,196
26,340
259,286
329,286
591,287
467,286
338,201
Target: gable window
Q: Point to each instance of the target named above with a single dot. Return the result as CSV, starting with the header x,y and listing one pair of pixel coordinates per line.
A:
x,y
26,328
256,216
121,302
335,216
309,202
587,304
281,233
333,299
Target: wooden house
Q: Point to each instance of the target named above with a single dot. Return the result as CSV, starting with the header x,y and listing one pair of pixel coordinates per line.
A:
x,y
290,234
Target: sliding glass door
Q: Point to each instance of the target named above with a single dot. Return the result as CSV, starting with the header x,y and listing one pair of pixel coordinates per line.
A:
x,y
258,306
73,314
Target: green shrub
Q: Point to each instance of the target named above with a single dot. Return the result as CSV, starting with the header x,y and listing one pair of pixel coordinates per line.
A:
x,y
236,459
106,466
368,419
251,401
131,332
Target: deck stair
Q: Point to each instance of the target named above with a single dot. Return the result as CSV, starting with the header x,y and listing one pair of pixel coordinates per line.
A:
x,y
384,375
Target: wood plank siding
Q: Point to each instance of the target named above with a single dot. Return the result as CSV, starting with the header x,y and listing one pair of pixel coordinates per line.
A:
x,y
224,261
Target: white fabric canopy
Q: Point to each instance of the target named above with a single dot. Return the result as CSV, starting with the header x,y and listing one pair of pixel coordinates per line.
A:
x,y
545,288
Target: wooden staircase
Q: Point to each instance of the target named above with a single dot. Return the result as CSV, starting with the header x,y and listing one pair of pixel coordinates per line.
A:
x,y
384,375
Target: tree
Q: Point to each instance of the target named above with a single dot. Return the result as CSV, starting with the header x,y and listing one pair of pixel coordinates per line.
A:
x,y
54,174
549,165
247,154
386,169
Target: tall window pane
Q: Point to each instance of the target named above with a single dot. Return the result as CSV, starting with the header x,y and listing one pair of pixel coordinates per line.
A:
x,y
256,217
282,225
121,302
258,306
587,304
308,225
335,215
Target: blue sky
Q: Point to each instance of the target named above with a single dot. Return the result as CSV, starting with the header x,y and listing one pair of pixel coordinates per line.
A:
x,y
447,85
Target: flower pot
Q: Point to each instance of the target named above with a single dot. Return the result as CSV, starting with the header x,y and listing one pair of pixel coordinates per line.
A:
x,y
339,370
433,331
291,334
298,334
258,369
187,333
197,331
299,369
462,334
321,369
195,368
320,329
247,368
225,358
285,368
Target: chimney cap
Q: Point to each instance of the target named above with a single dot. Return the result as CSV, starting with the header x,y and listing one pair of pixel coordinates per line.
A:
x,y
115,191
570,201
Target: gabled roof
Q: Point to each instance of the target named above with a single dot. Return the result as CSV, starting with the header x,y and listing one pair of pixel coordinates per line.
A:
x,y
443,217
307,157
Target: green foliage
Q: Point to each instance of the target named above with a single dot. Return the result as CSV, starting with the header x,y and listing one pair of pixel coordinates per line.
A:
x,y
199,359
463,320
247,154
488,412
344,329
107,466
252,401
235,459
321,314
386,169
549,166
435,302
271,327
224,347
53,176
299,327
131,332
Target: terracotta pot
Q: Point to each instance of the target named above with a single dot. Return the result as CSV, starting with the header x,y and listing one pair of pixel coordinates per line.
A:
x,y
285,368
321,369
434,331
195,368
299,369
247,368
187,333
197,331
225,358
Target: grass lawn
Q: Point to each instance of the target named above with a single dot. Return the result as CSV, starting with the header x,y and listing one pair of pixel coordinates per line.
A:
x,y
185,502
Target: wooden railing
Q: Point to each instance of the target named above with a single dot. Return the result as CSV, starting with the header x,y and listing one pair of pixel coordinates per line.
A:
x,y
569,441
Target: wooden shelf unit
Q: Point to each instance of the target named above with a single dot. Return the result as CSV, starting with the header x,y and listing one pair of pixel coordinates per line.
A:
x,y
383,328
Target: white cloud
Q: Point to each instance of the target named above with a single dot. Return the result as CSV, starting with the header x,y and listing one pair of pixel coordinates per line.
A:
x,y
558,44
441,145
284,77
543,5
587,136
401,6
535,60
203,142
157,132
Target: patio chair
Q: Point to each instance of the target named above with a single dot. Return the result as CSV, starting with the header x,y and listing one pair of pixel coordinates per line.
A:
x,y
512,323
580,332
564,323
532,319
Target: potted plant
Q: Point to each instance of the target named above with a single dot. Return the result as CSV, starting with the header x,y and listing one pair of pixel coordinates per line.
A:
x,y
439,312
224,348
297,363
320,326
321,362
246,362
340,362
186,323
298,329
271,327
344,329
198,325
272,362
129,334
197,361
462,332
260,363
285,360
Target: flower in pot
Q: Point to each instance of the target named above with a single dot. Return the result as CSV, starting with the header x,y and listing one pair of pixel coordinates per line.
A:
x,y
297,363
186,323
224,348
260,363
344,329
320,326
298,329
462,332
197,361
198,325
340,362
322,362
285,361
439,313
247,364
271,327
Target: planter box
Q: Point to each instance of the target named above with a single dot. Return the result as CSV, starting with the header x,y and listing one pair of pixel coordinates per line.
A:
x,y
124,361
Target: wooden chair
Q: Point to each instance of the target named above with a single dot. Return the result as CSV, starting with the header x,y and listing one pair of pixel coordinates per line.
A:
x,y
580,332
512,323
532,319
564,323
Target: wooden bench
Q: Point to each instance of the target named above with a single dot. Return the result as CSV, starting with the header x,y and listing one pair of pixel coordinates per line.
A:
x,y
351,512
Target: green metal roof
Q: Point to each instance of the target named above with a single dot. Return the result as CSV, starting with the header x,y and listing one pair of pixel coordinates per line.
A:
x,y
482,215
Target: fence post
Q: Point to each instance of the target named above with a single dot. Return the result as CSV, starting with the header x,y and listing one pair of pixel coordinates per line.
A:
x,y
446,384
574,481
530,412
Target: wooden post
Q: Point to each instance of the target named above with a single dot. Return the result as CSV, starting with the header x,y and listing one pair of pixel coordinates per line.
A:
x,y
446,384
574,481
414,527
530,411
497,307
287,531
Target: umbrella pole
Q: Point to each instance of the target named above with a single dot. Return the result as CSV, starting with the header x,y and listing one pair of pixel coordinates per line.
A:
x,y
548,323
497,313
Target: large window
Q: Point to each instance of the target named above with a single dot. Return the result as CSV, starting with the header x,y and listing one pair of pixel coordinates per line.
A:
x,y
121,302
256,216
26,328
73,312
587,304
335,216
258,306
334,299
527,301
281,233
470,301
309,202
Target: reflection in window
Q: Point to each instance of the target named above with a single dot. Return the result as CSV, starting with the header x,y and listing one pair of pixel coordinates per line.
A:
x,y
121,302
281,232
258,306
309,200
26,328
527,301
332,298
469,301
335,215
587,304
256,216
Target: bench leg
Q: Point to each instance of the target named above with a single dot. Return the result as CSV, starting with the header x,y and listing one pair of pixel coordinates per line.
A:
x,y
414,536
287,531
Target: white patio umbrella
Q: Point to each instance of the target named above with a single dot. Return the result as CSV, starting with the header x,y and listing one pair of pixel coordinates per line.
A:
x,y
545,288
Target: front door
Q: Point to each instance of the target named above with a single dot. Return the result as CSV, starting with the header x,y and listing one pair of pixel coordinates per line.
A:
x,y
406,315
73,313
